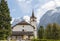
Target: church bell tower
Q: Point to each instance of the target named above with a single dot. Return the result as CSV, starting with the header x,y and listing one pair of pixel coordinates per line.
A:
x,y
33,22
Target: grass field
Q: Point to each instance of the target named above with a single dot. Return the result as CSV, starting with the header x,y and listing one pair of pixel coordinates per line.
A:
x,y
45,40
34,40
6,40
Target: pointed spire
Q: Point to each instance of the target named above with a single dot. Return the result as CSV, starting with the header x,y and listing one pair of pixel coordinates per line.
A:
x,y
33,13
33,16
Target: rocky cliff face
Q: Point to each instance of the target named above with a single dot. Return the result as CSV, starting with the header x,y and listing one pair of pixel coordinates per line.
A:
x,y
51,16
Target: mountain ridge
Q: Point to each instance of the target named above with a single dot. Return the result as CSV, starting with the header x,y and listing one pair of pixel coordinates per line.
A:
x,y
51,16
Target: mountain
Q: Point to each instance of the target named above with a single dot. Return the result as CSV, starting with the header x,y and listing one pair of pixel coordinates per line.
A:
x,y
17,20
51,16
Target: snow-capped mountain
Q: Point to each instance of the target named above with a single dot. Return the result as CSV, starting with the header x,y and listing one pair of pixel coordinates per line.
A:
x,y
17,20
51,16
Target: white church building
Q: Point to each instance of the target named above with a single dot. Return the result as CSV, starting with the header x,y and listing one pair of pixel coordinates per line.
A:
x,y
24,30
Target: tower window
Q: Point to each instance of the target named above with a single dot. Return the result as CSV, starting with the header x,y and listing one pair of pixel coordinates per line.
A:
x,y
33,20
22,29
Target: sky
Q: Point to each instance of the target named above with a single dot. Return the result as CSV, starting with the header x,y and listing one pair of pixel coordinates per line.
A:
x,y
23,8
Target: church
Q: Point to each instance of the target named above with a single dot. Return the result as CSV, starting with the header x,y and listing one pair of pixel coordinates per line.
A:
x,y
24,30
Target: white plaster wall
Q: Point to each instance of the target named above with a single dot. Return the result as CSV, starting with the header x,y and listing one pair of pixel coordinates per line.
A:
x,y
35,30
35,33
20,28
34,24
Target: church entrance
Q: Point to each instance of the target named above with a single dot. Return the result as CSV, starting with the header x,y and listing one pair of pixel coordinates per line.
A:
x,y
21,38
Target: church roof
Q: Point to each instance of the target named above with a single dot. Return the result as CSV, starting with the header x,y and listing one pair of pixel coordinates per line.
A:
x,y
33,16
23,23
17,33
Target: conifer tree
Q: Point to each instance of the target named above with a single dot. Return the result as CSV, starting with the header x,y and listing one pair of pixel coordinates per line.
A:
x,y
52,31
48,31
5,26
56,31
41,32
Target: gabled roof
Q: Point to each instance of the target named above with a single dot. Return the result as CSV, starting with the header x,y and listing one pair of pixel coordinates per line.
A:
x,y
23,23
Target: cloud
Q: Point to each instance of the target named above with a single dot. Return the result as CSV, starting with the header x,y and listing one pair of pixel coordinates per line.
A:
x,y
12,20
26,18
57,2
28,1
47,6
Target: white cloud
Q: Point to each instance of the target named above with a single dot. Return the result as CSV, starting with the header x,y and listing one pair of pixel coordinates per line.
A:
x,y
49,5
57,2
29,1
12,20
26,18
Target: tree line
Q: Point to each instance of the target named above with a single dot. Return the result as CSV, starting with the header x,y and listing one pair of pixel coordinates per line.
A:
x,y
51,31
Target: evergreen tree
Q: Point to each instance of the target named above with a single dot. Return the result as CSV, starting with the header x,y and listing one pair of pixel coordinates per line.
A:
x,y
41,32
48,31
52,31
5,26
56,31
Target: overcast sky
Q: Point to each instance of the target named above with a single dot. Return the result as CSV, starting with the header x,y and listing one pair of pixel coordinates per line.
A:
x,y
20,8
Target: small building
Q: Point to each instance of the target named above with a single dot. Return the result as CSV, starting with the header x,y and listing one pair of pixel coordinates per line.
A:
x,y
24,30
